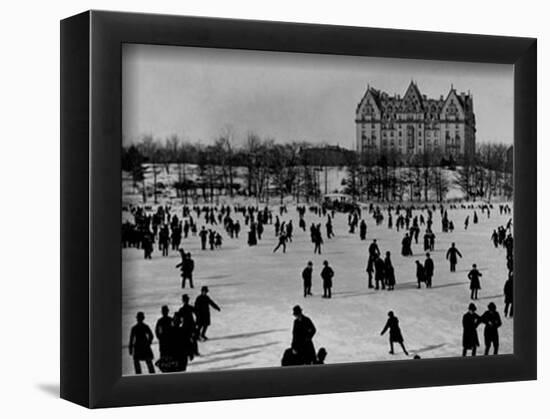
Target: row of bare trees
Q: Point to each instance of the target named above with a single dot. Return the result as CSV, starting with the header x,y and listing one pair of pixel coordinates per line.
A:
x,y
264,169
429,176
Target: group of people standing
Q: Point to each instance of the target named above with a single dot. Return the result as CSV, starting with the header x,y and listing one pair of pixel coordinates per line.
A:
x,y
178,335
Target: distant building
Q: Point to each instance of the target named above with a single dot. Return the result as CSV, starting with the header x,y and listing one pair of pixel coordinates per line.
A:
x,y
415,124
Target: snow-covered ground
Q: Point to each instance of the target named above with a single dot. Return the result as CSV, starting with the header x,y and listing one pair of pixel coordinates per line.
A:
x,y
256,290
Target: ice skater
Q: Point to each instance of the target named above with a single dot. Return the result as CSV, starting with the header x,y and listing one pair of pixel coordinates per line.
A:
x,y
395,332
509,296
327,274
202,310
492,322
428,270
389,272
306,277
139,346
163,332
470,321
451,256
475,283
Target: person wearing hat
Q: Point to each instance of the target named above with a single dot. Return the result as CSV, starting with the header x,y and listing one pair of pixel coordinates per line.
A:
x,y
139,346
451,255
492,322
187,313
327,274
395,332
302,335
470,321
389,272
428,270
306,276
202,311
475,283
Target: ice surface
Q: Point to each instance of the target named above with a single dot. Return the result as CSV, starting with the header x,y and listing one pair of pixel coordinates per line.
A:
x,y
256,290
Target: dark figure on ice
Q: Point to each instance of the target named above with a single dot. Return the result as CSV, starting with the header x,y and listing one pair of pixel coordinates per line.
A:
x,y
428,270
163,331
252,239
282,242
406,245
321,356
187,266
420,274
389,272
452,254
379,276
164,240
306,276
147,244
494,238
317,240
509,296
187,314
330,231
374,253
363,230
492,322
395,332
475,283
203,234
202,311
302,335
470,321
139,346
327,274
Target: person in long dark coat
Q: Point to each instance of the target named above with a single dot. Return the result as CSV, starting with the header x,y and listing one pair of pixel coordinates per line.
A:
x,y
327,274
187,314
202,310
492,322
395,332
139,346
428,270
389,272
452,254
306,277
475,283
147,244
302,337
163,331
509,296
379,276
470,321
420,273
203,234
182,344
363,230
406,245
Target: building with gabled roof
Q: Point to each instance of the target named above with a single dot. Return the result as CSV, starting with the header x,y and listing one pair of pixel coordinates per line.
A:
x,y
415,124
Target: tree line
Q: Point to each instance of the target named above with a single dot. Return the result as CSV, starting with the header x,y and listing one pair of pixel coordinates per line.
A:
x,y
264,169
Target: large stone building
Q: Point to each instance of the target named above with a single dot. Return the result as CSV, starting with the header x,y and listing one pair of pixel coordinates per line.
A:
x,y
415,124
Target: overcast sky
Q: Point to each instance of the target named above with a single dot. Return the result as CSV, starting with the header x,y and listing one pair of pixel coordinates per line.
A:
x,y
196,92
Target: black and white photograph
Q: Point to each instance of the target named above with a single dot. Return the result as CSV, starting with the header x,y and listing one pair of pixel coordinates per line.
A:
x,y
288,209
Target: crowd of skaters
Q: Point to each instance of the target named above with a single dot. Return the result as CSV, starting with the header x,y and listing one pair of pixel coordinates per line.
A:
x,y
169,230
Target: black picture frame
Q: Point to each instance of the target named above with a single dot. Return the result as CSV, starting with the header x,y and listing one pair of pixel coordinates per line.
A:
x,y
91,206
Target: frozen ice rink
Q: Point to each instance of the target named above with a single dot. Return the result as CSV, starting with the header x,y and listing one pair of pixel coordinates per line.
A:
x,y
256,290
